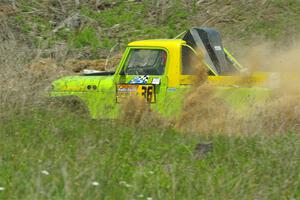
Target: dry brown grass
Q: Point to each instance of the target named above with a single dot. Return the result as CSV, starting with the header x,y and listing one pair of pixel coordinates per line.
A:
x,y
24,77
280,115
136,112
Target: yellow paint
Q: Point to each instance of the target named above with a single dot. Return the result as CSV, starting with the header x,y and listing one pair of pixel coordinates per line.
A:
x,y
256,79
165,43
173,46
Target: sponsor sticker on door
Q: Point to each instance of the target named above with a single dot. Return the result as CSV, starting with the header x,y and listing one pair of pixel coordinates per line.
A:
x,y
126,90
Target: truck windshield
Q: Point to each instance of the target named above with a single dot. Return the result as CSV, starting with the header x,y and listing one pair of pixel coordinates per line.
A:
x,y
145,62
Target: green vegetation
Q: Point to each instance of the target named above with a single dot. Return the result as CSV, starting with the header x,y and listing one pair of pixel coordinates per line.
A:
x,y
121,22
139,162
86,37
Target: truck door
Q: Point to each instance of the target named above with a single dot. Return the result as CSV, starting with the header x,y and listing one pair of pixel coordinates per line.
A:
x,y
142,74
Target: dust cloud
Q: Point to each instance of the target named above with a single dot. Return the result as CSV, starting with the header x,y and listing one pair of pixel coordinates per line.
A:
x,y
204,112
136,112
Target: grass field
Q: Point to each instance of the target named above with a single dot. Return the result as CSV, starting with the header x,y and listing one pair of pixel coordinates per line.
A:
x,y
46,152
55,155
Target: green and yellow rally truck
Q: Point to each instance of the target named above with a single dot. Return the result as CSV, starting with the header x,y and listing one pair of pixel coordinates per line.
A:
x,y
161,72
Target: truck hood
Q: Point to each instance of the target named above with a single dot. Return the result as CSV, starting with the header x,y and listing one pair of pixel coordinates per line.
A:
x,y
82,83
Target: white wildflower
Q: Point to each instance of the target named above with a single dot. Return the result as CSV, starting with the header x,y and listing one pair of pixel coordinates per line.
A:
x,y
45,172
95,183
140,196
125,184
122,182
149,198
2,188
128,185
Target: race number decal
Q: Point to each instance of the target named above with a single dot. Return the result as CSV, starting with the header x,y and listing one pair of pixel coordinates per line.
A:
x,y
145,91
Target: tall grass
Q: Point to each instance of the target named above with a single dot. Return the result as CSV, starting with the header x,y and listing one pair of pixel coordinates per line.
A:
x,y
54,155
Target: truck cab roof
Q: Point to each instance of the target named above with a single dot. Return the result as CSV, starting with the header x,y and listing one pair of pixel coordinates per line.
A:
x,y
165,43
216,57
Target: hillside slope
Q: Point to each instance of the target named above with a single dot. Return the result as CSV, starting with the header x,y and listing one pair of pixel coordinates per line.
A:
x,y
91,29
